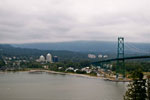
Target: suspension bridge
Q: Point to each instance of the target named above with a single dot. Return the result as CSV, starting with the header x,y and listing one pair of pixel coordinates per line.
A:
x,y
121,56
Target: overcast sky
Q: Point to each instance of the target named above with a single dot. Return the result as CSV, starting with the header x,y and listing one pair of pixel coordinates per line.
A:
x,y
25,21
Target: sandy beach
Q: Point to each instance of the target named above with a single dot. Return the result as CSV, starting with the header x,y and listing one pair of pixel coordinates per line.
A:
x,y
79,75
74,74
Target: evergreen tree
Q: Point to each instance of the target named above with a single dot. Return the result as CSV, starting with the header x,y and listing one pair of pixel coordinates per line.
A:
x,y
2,63
148,87
137,88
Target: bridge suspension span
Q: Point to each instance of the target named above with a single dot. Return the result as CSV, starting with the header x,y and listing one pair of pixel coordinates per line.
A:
x,y
120,65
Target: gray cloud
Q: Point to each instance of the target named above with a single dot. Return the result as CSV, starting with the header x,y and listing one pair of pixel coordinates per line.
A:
x,y
23,21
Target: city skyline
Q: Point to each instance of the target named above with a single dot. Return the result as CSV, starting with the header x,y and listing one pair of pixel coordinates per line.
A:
x,y
23,21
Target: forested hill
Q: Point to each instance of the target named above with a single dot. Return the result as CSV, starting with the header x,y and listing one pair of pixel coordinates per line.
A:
x,y
8,50
78,46
89,46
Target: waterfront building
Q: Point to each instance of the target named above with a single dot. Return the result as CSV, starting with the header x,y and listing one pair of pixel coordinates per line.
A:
x,y
86,69
69,69
42,58
55,59
49,58
45,67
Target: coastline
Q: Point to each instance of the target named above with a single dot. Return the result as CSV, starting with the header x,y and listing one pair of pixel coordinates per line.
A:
x,y
62,73
72,74
80,75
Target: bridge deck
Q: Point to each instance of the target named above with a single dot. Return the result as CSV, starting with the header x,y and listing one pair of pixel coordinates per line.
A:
x,y
125,58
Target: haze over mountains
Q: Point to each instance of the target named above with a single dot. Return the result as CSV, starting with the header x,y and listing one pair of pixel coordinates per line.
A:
x,y
79,46
88,46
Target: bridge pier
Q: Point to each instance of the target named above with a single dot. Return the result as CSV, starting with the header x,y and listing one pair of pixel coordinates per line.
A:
x,y
120,67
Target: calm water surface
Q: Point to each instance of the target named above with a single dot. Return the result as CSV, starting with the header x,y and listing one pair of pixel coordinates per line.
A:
x,y
46,86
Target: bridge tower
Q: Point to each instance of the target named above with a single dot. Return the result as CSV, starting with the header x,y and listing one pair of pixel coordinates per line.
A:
x,y
120,68
120,49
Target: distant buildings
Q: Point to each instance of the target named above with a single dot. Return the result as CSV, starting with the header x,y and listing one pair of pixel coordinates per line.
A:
x,y
42,58
55,59
69,69
86,69
100,56
105,56
45,67
92,56
49,58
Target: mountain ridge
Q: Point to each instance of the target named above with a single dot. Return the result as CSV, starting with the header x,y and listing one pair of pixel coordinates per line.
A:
x,y
85,46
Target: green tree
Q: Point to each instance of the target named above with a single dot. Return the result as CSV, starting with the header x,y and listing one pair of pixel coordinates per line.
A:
x,y
2,63
148,87
137,88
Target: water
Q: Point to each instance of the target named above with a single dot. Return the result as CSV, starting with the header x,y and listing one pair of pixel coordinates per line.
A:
x,y
46,86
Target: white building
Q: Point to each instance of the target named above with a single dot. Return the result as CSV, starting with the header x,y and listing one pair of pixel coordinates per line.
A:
x,y
92,56
100,56
42,58
70,68
105,56
87,69
49,57
45,67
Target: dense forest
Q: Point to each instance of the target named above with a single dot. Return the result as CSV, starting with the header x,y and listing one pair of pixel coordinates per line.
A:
x,y
24,53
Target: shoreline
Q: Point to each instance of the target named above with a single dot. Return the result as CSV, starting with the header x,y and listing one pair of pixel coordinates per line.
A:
x,y
79,75
72,74
63,73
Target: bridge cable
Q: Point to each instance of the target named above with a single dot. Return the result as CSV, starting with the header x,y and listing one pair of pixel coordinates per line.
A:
x,y
135,49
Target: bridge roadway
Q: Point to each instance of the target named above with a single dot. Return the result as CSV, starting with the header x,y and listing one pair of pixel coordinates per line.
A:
x,y
125,58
